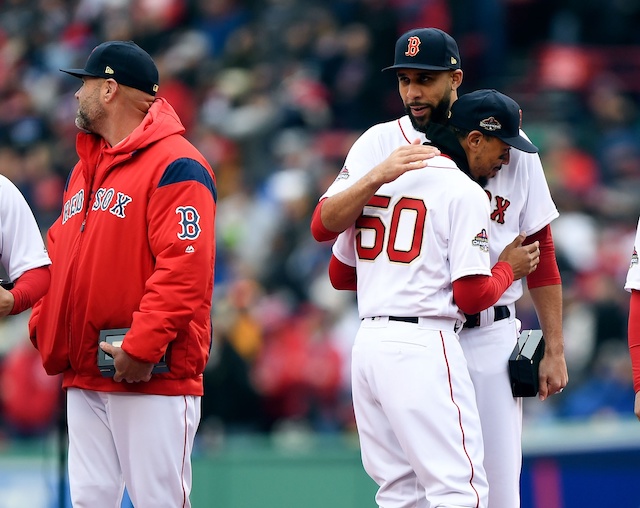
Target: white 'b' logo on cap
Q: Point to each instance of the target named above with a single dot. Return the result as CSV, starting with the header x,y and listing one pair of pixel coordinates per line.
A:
x,y
413,46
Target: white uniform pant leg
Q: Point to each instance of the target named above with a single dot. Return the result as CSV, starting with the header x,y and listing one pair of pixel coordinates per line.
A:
x,y
416,416
95,479
149,438
487,350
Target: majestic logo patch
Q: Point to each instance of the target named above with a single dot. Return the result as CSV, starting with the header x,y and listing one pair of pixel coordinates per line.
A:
x,y
481,240
189,249
490,124
634,258
413,46
344,174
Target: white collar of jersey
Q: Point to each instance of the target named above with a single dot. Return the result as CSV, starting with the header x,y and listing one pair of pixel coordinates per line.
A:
x,y
408,131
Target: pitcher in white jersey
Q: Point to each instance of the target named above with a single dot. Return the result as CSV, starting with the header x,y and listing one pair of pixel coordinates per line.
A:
x,y
419,249
429,74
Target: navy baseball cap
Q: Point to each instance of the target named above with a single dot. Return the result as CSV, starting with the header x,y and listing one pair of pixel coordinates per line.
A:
x,y
492,113
426,48
124,61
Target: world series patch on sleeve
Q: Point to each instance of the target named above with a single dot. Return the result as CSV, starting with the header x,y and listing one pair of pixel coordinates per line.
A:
x,y
524,363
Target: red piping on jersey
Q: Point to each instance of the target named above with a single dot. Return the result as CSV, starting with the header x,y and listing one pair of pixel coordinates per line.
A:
x,y
464,446
405,137
403,133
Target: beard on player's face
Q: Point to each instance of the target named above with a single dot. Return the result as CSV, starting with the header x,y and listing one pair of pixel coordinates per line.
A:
x,y
87,118
82,122
438,113
482,181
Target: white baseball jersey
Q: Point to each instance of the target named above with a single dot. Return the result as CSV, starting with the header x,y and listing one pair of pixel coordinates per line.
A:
x,y
417,235
633,275
21,244
520,201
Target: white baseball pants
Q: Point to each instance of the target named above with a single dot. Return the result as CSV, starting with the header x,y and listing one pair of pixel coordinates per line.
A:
x,y
143,441
487,350
416,415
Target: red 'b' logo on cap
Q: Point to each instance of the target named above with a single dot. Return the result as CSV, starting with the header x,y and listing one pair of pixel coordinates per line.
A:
x,y
413,46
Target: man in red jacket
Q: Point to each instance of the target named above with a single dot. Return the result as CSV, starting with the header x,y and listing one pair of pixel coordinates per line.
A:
x,y
132,252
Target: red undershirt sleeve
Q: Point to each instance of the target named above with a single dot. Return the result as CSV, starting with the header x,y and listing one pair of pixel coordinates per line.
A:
x,y
634,337
342,276
547,272
29,288
319,232
478,292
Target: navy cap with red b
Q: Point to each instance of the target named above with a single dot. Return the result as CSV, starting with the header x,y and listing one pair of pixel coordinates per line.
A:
x,y
426,48
123,61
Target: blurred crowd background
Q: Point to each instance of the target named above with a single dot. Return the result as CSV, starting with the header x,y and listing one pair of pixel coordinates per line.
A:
x,y
274,92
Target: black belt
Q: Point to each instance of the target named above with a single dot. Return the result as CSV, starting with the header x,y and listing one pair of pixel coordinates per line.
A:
x,y
413,320
473,320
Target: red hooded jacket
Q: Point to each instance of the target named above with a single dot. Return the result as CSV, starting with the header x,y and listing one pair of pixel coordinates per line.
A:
x,y
134,247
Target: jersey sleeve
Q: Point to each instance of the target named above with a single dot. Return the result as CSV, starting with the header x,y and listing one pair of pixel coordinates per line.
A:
x,y
22,246
344,247
540,209
469,235
633,272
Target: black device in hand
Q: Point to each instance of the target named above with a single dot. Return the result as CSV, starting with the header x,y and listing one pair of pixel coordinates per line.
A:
x,y
524,363
115,337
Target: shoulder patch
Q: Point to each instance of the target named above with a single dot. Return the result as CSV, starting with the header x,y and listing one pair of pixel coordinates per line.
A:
x,y
185,169
481,240
344,174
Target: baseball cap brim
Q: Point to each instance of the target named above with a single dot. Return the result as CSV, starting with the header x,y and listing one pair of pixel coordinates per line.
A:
x,y
419,67
520,143
78,73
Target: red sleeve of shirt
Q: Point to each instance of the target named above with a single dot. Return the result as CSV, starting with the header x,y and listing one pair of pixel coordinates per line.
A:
x,y
342,276
30,287
478,292
319,232
547,273
634,337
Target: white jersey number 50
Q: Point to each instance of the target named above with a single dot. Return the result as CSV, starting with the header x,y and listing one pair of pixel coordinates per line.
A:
x,y
413,213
